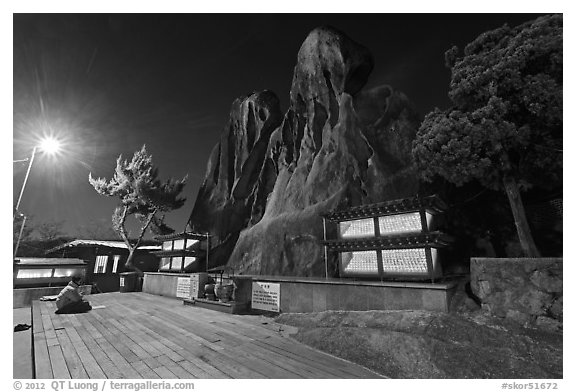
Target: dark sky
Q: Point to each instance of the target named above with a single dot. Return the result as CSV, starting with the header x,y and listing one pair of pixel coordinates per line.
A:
x,y
106,84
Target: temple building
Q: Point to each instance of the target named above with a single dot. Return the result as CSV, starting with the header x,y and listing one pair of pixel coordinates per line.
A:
x,y
397,239
183,252
105,260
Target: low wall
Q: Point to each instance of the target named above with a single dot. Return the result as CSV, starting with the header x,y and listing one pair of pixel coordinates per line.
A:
x,y
23,298
526,290
107,283
304,295
160,283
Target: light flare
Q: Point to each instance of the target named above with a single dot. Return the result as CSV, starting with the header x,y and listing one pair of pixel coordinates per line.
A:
x,y
50,145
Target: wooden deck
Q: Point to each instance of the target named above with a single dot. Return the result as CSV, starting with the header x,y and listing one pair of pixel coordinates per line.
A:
x,y
139,335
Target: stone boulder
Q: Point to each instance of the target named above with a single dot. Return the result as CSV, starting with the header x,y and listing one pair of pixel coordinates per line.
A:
x,y
420,344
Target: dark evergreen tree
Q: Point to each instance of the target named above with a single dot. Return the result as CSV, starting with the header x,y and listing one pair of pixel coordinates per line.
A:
x,y
505,129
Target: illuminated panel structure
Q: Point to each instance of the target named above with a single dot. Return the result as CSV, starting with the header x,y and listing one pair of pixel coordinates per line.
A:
x,y
182,252
45,272
393,239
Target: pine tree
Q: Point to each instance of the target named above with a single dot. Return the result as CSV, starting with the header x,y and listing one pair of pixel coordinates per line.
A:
x,y
141,195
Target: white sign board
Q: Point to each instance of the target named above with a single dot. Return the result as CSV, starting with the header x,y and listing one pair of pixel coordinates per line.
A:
x,y
266,296
194,286
197,282
183,288
121,281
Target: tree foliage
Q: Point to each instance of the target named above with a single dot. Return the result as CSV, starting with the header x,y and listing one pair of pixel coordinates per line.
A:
x,y
99,229
142,195
505,128
36,237
50,231
24,233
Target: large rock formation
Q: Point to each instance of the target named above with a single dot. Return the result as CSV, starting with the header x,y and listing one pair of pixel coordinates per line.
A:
x,y
336,146
228,195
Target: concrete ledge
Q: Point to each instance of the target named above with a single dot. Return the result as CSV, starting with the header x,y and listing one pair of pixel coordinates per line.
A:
x,y
164,274
350,282
22,345
161,283
23,297
302,295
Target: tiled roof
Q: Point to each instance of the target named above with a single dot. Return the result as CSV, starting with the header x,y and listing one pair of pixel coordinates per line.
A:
x,y
432,203
109,244
433,239
177,236
47,261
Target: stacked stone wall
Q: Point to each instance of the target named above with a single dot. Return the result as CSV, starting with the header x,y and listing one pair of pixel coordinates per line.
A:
x,y
525,290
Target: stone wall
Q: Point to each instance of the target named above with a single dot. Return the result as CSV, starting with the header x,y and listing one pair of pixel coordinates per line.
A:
x,y
525,290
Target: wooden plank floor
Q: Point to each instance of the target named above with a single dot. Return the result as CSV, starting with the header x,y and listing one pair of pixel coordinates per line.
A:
x,y
139,335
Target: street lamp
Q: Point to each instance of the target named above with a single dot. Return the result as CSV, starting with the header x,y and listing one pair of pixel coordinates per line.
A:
x,y
50,146
21,231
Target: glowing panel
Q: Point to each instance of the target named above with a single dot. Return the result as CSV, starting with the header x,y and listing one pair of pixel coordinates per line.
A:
x,y
405,261
179,244
167,245
190,242
165,263
34,273
100,265
188,261
400,223
115,265
65,272
360,263
357,228
434,252
430,221
176,263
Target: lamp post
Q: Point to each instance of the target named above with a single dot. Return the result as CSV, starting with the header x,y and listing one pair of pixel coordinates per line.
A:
x,y
20,234
48,145
25,180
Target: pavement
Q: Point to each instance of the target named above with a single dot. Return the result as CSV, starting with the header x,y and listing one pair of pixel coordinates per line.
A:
x,y
22,342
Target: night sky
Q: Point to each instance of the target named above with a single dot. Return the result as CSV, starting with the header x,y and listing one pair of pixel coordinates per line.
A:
x,y
106,84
